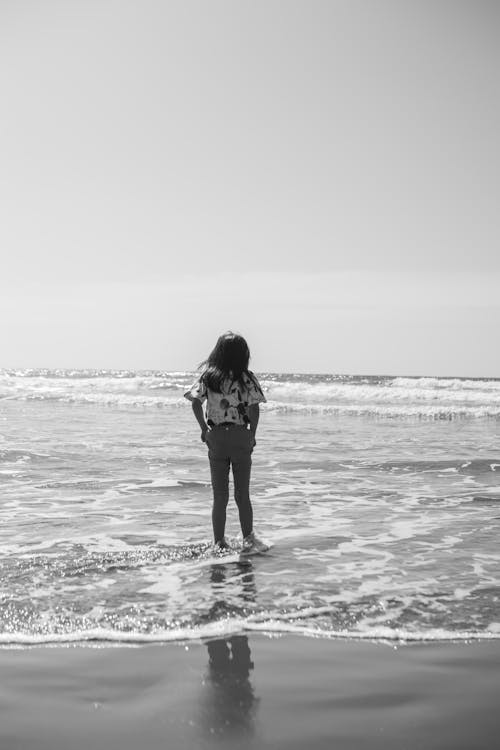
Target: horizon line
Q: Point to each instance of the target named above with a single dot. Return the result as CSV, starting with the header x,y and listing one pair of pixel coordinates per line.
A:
x,y
305,373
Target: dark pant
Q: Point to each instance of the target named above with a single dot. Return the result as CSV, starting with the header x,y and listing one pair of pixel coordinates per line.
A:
x,y
230,446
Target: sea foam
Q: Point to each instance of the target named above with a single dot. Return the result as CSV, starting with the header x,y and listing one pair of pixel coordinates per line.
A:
x,y
377,396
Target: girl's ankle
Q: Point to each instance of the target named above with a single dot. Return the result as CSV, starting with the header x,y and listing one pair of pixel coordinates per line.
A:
x,y
221,543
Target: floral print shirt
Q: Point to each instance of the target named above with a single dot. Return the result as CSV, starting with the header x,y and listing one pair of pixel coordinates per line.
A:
x,y
231,405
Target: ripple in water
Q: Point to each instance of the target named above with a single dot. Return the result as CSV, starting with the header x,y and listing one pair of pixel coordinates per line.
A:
x,y
382,528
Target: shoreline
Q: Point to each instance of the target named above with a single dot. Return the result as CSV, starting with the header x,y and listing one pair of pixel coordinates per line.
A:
x,y
251,691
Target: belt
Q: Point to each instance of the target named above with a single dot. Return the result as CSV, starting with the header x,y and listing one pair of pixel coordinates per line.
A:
x,y
226,424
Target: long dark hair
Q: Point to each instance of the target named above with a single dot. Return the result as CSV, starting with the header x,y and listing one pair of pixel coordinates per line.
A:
x,y
228,359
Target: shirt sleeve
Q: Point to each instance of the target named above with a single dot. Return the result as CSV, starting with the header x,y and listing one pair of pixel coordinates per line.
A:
x,y
198,390
255,393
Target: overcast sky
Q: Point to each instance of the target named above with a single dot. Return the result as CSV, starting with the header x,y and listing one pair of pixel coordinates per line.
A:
x,y
321,176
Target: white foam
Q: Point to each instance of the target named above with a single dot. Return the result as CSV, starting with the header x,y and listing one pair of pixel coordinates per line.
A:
x,y
233,626
407,410
458,384
381,397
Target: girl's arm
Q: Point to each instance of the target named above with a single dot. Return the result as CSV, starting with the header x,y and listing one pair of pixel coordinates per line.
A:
x,y
253,416
197,407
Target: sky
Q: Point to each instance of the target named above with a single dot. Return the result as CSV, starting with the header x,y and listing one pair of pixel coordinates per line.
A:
x,y
320,176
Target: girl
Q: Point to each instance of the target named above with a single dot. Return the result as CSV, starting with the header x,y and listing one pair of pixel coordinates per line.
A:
x,y
233,395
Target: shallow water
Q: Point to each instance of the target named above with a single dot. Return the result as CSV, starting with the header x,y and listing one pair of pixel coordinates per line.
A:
x,y
383,510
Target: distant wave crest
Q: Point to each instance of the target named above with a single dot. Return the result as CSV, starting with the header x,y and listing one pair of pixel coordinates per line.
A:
x,y
377,396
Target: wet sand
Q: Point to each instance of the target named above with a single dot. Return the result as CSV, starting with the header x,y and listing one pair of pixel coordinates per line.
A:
x,y
256,692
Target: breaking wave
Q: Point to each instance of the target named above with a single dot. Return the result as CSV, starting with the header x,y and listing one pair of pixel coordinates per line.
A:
x,y
377,396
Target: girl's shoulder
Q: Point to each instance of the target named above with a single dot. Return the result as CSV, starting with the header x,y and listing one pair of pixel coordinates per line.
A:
x,y
248,377
211,379
252,376
252,382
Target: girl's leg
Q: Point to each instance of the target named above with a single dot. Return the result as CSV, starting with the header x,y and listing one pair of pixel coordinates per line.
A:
x,y
219,471
242,465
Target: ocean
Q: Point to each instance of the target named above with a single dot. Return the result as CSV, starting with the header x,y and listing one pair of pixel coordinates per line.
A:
x,y
380,497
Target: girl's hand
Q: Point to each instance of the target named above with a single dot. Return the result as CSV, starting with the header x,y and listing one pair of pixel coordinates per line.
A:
x,y
204,435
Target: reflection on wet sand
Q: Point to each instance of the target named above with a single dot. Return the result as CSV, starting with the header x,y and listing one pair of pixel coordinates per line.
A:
x,y
229,702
